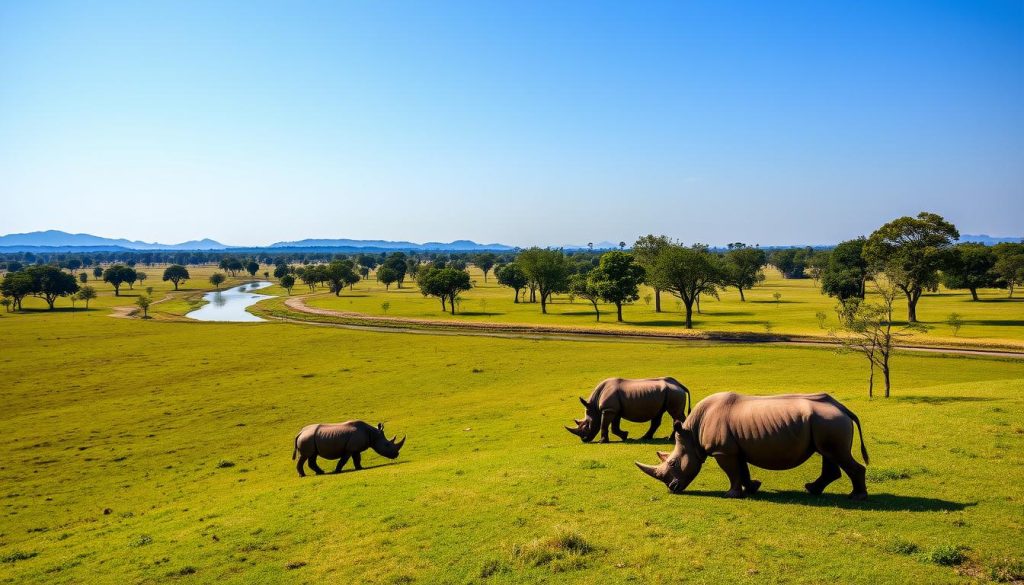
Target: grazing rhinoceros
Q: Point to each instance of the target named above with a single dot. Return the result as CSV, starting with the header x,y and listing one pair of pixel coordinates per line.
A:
x,y
634,400
771,432
341,441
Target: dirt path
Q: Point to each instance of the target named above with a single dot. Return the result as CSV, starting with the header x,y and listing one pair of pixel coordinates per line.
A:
x,y
363,322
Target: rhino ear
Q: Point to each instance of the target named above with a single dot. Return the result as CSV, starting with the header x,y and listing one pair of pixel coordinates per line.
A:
x,y
380,426
584,402
662,455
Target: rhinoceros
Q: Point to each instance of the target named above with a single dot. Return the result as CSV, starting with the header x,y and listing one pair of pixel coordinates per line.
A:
x,y
771,432
341,441
640,400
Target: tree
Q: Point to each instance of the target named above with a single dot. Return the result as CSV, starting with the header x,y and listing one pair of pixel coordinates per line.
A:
x,y
87,293
617,279
6,303
176,273
846,271
17,286
217,279
367,263
288,281
73,264
83,277
1009,266
280,270
548,269
867,328
971,267
396,261
130,276
582,286
252,267
791,262
512,276
387,275
97,272
910,251
484,262
646,250
50,282
143,302
444,283
743,267
687,273
117,275
339,274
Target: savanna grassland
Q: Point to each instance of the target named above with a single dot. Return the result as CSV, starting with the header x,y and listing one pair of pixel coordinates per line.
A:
x,y
157,450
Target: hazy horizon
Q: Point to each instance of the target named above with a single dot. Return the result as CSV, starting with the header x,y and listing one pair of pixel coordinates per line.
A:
x,y
526,124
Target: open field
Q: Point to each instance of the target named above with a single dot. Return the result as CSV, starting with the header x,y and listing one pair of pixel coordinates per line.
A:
x,y
143,450
995,320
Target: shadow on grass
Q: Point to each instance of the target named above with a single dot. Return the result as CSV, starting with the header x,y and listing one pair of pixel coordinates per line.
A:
x,y
889,502
55,310
996,322
940,399
349,469
773,301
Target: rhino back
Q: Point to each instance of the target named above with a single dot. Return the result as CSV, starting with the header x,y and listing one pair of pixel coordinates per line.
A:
x,y
335,440
643,399
773,432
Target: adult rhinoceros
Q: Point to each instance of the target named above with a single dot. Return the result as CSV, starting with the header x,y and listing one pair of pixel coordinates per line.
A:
x,y
640,400
341,441
771,432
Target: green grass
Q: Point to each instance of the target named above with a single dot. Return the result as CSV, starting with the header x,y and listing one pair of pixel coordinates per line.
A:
x,y
994,320
119,435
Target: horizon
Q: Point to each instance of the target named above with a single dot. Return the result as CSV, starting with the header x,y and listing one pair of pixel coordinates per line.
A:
x,y
526,124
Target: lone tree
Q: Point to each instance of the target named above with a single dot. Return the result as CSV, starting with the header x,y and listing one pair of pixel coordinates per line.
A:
x,y
484,262
512,276
617,279
117,275
867,328
176,273
217,279
87,293
83,277
287,282
846,271
97,272
252,267
646,251
583,286
50,282
687,273
144,302
445,284
743,267
1009,267
971,267
548,269
17,286
339,274
911,251
387,275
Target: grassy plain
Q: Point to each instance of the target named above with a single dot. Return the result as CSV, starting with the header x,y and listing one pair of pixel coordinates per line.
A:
x,y
145,451
994,320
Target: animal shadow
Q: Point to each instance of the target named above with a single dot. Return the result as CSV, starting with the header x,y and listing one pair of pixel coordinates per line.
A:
x,y
875,501
349,469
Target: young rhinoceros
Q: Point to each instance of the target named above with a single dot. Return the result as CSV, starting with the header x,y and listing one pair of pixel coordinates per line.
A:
x,y
641,400
341,441
771,432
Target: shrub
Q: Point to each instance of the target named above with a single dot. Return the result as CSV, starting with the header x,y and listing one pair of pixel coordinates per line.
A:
x,y
948,555
901,546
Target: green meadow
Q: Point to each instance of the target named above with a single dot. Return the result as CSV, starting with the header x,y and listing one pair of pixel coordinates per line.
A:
x,y
160,451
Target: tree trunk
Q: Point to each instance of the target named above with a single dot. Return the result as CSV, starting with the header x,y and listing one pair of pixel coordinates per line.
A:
x,y
517,297
742,298
618,308
689,314
698,303
657,300
597,311
871,379
444,309
885,373
543,304
912,307
974,294
451,300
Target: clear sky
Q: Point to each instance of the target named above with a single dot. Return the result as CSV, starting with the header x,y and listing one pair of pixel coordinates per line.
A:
x,y
517,122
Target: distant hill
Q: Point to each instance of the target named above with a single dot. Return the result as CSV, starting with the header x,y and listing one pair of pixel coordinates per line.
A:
x,y
988,240
59,239
456,246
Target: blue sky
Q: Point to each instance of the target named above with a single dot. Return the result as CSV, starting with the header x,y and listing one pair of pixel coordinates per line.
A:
x,y
522,123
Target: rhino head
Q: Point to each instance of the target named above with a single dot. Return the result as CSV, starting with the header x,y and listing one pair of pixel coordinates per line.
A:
x,y
678,468
588,426
386,447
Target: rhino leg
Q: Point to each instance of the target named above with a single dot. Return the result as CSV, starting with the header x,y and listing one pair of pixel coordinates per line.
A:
x,y
341,463
730,464
302,461
654,428
621,434
856,473
316,468
606,421
750,486
829,473
357,460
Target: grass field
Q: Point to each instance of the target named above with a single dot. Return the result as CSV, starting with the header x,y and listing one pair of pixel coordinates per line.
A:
x,y
144,451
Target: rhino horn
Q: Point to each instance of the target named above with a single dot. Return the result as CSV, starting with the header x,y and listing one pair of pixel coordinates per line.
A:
x,y
585,404
400,443
662,455
648,469
573,431
577,421
394,439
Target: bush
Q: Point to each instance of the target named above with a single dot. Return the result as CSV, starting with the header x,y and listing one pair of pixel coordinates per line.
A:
x,y
948,555
901,546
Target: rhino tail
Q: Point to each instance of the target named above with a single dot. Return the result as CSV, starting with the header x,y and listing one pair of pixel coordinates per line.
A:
x,y
295,446
860,431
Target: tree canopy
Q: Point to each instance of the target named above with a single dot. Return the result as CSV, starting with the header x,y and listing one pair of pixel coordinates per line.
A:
x,y
743,267
176,273
617,279
688,272
548,269
846,271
